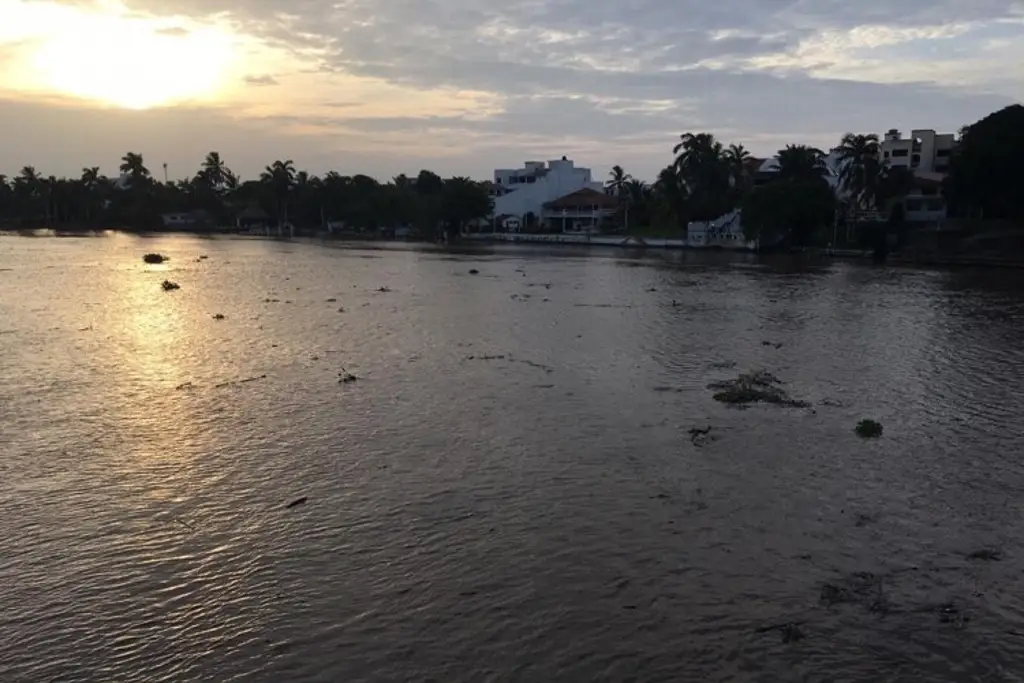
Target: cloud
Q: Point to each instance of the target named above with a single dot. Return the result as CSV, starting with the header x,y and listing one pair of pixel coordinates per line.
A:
x,y
174,31
475,82
263,80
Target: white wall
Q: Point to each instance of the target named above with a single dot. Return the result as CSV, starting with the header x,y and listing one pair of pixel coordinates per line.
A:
x,y
724,231
562,177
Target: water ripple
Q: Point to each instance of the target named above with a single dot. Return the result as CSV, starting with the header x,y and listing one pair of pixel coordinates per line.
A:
x,y
537,513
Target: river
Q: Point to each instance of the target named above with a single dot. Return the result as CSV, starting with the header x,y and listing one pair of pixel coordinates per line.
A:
x,y
510,490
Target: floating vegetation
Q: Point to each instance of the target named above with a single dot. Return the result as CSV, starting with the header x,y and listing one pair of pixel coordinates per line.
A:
x,y
169,286
790,631
297,502
862,588
759,386
868,429
986,554
155,258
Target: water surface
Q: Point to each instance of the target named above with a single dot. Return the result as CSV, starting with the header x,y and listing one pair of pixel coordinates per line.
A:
x,y
510,491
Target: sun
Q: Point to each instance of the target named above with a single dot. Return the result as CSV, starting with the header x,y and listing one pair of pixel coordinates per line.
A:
x,y
132,63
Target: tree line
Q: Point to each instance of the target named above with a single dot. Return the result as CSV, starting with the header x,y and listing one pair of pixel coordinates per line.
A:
x,y
283,194
705,180
708,179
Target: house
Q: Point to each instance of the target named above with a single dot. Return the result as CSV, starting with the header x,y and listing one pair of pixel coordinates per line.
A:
x,y
188,220
584,210
925,150
925,203
523,192
253,219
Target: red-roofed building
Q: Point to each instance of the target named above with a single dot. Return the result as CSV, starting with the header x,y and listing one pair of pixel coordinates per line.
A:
x,y
584,210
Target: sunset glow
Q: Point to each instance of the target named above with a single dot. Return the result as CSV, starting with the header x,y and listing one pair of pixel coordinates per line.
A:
x,y
104,55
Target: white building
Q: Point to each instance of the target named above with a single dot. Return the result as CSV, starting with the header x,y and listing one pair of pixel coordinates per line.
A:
x,y
925,150
928,155
725,232
522,193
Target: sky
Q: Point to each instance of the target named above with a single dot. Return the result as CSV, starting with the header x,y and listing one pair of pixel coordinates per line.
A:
x,y
462,87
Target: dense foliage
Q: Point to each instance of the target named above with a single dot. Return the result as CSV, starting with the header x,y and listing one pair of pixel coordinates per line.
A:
x,y
281,194
986,178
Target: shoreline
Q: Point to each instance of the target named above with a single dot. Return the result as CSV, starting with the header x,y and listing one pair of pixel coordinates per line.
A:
x,y
570,240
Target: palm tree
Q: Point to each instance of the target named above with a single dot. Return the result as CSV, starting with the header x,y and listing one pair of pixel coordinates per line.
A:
x,y
671,194
616,183
860,167
704,171
90,183
800,162
280,178
736,157
133,167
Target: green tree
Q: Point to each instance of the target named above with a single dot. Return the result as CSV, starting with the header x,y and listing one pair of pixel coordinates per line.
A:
x,y
795,206
617,180
704,170
985,175
800,162
860,168
279,178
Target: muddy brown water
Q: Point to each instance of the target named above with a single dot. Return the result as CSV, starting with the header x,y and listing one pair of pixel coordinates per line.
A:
x,y
538,512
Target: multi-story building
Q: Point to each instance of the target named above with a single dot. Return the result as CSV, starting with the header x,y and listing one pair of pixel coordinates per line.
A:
x,y
928,155
529,196
924,150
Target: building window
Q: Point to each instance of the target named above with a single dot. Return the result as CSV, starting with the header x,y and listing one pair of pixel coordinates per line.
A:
x,y
942,152
900,152
915,160
913,204
886,155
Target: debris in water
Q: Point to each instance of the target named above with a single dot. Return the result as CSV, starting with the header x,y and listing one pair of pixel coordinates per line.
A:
x,y
168,285
155,258
184,524
474,271
698,434
652,289
868,429
383,289
297,502
203,257
863,520
239,381
774,345
345,376
862,588
185,386
951,614
986,554
754,387
218,316
790,631
331,300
